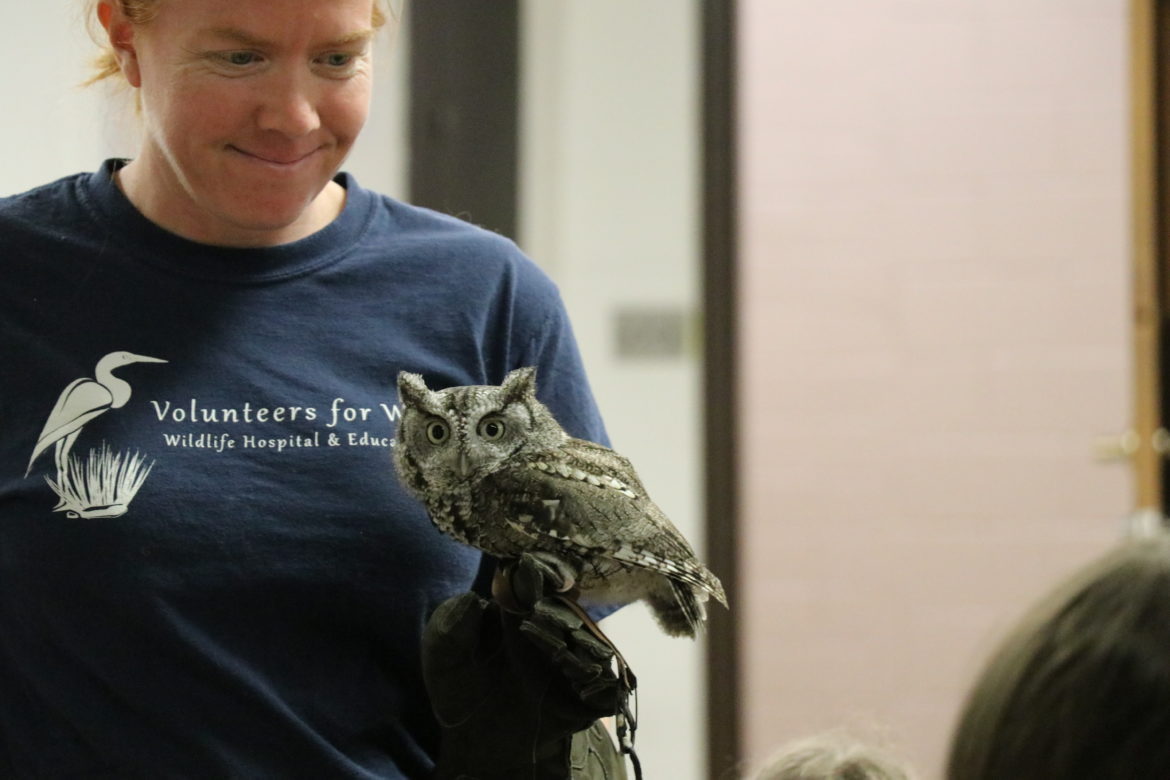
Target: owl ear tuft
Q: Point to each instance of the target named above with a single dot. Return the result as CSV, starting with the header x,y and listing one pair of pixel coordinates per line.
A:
x,y
412,390
520,383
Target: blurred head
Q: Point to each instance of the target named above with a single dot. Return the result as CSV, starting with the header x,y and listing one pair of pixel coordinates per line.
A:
x,y
1081,687
248,108
831,756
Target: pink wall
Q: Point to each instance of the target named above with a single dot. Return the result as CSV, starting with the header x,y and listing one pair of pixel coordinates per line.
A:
x,y
934,236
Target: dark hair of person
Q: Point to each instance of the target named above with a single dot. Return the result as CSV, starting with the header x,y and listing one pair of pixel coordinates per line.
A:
x,y
1081,687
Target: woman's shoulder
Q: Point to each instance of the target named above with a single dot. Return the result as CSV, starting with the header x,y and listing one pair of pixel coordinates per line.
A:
x,y
422,223
47,204
456,245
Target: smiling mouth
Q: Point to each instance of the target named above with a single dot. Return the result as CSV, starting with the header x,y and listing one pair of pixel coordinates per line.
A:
x,y
278,160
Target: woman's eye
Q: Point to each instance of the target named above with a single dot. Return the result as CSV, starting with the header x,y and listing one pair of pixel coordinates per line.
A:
x,y
339,63
492,428
437,432
240,58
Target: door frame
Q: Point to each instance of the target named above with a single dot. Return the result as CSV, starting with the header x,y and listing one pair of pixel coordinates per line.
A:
x,y
720,378
1150,181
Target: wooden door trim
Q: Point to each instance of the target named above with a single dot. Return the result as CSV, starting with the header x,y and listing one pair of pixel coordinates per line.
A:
x,y
1150,156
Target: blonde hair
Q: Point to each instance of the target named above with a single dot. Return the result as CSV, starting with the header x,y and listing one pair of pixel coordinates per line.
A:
x,y
831,756
1081,686
141,12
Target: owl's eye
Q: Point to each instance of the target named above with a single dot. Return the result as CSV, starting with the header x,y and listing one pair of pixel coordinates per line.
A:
x,y
437,431
491,428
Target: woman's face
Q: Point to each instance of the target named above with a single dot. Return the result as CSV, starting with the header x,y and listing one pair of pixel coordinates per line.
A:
x,y
250,107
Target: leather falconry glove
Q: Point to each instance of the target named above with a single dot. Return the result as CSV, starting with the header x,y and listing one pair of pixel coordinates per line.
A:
x,y
518,691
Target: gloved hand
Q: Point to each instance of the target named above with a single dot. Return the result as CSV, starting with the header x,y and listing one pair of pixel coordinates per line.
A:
x,y
510,687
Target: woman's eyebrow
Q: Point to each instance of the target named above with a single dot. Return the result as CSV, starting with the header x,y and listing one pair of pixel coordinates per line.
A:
x,y
247,39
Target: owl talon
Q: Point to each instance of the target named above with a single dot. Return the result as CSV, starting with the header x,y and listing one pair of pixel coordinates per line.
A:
x,y
553,570
519,584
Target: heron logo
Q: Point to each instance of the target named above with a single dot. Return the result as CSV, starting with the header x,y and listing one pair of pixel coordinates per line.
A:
x,y
104,483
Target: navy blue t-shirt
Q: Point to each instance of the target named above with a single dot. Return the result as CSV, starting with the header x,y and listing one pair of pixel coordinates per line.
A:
x,y
207,566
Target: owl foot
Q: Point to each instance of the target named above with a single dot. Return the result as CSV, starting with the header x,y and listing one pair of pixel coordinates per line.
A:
x,y
558,573
519,584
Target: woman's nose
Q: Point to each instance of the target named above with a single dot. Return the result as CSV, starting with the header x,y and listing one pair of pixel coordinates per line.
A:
x,y
289,106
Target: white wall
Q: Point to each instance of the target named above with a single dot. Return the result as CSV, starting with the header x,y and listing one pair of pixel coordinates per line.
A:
x,y
52,126
610,206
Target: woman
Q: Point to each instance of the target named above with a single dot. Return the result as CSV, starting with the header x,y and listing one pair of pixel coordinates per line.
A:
x,y
207,567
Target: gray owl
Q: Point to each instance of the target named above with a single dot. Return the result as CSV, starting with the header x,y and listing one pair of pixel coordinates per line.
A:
x,y
496,471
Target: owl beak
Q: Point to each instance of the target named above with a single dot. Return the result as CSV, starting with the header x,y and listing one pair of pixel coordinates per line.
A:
x,y
464,465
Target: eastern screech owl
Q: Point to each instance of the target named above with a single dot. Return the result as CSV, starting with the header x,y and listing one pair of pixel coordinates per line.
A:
x,y
496,471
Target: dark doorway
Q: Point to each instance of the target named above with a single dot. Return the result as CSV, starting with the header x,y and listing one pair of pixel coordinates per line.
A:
x,y
464,75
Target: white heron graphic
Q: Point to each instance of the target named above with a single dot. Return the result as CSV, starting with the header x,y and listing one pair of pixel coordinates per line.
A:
x,y
80,402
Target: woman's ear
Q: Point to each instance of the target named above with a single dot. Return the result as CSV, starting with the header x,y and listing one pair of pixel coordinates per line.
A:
x,y
120,31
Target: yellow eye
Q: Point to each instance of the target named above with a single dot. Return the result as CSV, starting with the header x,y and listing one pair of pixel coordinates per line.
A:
x,y
437,431
491,428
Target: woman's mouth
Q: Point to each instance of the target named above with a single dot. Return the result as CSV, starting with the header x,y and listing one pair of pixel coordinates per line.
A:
x,y
277,158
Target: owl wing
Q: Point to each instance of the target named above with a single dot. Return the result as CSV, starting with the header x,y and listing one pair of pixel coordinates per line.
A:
x,y
586,500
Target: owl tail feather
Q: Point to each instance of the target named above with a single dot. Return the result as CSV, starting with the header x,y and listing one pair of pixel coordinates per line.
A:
x,y
680,611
